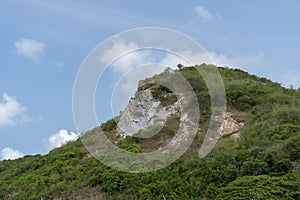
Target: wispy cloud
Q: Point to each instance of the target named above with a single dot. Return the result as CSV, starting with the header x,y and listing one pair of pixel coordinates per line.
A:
x,y
60,138
133,66
127,62
128,59
244,62
11,111
31,49
10,154
204,14
127,84
286,76
220,59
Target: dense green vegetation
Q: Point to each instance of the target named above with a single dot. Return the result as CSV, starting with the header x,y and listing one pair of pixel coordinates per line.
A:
x,y
263,164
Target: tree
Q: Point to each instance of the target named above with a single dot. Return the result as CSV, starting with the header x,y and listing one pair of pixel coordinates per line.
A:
x,y
180,66
259,187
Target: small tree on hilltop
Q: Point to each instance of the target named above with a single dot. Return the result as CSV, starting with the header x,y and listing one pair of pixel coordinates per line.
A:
x,y
180,66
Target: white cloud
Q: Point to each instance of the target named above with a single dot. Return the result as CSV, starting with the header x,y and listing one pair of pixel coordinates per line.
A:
x,y
286,77
131,61
129,66
204,14
133,66
60,138
127,85
10,153
124,56
11,111
117,50
186,58
248,61
29,48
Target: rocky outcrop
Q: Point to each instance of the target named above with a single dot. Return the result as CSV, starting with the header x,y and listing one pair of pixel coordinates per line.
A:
x,y
230,126
144,111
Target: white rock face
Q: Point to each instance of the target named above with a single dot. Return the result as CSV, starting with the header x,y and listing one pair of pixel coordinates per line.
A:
x,y
144,111
230,126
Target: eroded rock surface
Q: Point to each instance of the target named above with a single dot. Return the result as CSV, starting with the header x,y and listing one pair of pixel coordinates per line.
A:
x,y
230,126
144,111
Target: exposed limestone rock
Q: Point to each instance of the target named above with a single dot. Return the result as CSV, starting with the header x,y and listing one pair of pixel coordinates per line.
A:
x,y
230,126
144,111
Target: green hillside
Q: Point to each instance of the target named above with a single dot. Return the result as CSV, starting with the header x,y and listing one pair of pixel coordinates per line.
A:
x,y
263,164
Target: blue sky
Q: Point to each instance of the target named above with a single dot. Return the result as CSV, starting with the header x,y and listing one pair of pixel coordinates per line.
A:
x,y
43,44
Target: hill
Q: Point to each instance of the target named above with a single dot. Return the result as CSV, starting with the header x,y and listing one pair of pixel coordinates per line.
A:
x,y
260,162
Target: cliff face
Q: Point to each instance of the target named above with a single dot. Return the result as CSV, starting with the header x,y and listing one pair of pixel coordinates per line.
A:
x,y
144,111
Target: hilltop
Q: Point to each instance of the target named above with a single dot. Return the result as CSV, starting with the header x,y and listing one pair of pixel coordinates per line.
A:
x,y
257,158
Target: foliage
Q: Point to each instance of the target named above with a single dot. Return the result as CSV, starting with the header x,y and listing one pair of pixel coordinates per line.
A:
x,y
260,187
263,164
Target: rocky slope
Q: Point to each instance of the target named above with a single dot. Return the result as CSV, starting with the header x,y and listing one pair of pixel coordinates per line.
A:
x,y
144,111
